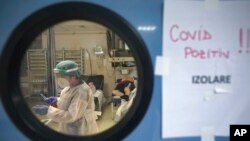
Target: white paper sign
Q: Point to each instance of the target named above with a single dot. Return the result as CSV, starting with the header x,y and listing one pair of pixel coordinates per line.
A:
x,y
208,81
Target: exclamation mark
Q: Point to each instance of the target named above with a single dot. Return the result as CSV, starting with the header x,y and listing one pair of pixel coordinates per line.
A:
x,y
241,39
248,40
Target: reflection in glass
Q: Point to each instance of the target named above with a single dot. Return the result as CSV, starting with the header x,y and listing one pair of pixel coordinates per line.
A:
x,y
104,61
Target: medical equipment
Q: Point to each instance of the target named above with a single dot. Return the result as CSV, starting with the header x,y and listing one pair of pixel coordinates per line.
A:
x,y
124,107
43,97
115,101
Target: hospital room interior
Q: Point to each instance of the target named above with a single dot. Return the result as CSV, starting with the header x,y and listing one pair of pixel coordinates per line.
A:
x,y
102,57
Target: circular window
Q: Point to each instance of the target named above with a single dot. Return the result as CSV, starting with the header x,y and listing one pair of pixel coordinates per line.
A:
x,y
107,51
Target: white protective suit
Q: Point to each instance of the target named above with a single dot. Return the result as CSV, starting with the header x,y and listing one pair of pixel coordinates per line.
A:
x,y
75,111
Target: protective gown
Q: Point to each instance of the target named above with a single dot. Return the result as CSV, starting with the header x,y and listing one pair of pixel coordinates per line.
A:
x,y
75,111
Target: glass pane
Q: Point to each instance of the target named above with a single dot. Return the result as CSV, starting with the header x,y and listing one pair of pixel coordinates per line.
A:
x,y
105,64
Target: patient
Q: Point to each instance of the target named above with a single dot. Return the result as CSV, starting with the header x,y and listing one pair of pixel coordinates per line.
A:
x,y
97,94
124,87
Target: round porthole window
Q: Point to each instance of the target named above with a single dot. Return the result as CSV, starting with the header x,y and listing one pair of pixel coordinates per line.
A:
x,y
76,71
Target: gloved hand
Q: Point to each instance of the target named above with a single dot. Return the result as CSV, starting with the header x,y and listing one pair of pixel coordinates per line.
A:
x,y
51,100
41,109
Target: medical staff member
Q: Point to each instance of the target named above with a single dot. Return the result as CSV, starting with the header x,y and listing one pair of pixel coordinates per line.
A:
x,y
74,109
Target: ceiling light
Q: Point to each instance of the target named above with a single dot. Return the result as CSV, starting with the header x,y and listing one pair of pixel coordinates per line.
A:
x,y
146,28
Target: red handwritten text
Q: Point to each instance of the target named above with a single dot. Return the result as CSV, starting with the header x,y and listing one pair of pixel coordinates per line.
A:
x,y
177,34
206,54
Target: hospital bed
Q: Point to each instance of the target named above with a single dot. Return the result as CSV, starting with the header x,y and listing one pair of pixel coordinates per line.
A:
x,y
124,107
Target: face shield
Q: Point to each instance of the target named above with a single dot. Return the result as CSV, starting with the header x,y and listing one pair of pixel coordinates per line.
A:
x,y
65,69
60,82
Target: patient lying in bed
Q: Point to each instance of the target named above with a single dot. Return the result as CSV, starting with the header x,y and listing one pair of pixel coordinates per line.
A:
x,y
125,105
